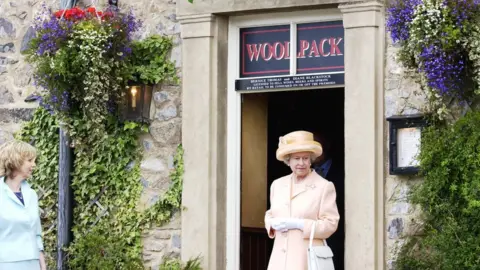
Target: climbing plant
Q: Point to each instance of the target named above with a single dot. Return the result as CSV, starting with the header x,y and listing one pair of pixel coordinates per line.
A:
x,y
108,224
150,63
170,264
107,188
42,131
450,199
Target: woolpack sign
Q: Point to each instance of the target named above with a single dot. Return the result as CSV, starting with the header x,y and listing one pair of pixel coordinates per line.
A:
x,y
265,51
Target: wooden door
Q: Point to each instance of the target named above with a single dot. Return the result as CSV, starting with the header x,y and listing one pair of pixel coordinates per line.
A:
x,y
255,250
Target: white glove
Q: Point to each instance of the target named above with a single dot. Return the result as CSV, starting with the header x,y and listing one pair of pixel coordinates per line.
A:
x,y
285,224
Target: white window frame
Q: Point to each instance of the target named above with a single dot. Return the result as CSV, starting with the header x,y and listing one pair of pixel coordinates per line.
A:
x,y
233,195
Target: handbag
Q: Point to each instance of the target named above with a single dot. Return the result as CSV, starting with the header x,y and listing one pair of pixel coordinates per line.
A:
x,y
320,257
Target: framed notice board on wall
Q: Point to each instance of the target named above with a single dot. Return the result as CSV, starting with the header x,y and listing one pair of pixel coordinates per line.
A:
x,y
405,133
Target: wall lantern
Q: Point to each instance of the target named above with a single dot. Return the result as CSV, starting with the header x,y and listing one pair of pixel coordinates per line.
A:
x,y
404,143
137,103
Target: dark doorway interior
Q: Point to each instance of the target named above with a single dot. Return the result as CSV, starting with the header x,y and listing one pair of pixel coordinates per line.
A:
x,y
320,111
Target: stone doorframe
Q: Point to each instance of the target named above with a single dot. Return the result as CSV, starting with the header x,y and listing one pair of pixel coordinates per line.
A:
x,y
205,228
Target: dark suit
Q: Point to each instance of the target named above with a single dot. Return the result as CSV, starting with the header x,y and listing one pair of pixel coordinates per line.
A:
x,y
336,175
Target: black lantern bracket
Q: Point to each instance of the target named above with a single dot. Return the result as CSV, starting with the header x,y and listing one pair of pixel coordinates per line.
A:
x,y
404,143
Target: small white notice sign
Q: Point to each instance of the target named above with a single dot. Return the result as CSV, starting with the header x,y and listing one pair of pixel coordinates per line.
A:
x,y
408,146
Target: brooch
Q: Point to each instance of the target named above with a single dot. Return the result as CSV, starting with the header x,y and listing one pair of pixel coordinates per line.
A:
x,y
312,186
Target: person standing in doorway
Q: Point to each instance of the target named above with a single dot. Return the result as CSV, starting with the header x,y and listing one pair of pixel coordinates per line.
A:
x,y
21,246
331,168
323,163
298,201
328,165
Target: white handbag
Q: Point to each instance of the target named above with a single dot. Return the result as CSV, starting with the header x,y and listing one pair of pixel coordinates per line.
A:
x,y
320,257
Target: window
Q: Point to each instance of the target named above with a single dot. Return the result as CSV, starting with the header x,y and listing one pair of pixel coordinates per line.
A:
x,y
267,51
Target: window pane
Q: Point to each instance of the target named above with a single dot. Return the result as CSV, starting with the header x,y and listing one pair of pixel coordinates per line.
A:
x,y
265,51
320,47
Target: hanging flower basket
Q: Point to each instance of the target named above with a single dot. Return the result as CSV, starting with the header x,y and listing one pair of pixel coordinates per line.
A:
x,y
81,60
440,40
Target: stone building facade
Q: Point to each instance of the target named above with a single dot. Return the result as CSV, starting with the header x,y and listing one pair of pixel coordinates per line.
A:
x,y
198,117
16,83
402,97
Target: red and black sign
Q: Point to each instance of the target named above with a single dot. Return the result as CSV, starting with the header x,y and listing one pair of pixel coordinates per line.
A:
x,y
320,47
265,51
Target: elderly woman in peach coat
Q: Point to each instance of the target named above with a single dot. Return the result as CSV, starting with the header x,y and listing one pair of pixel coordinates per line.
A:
x,y
298,201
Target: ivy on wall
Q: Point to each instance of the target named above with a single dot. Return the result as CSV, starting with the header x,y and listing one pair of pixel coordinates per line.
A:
x,y
449,198
151,64
42,131
108,225
107,190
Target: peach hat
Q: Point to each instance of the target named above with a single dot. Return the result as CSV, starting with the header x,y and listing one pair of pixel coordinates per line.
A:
x,y
298,141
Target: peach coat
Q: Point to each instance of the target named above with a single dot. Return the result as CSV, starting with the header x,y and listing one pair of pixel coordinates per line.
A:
x,y
313,201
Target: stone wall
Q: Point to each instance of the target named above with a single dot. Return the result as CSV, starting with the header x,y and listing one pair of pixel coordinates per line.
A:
x,y
402,97
15,76
165,132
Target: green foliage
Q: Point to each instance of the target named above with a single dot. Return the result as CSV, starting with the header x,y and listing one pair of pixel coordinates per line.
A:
x,y
108,224
107,189
150,60
165,208
176,264
42,131
84,64
121,223
85,71
439,48
449,198
102,250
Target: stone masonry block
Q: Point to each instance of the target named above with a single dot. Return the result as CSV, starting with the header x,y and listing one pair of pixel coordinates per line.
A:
x,y
15,115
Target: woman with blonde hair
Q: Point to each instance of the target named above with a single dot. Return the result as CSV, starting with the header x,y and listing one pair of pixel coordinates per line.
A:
x,y
21,246
300,202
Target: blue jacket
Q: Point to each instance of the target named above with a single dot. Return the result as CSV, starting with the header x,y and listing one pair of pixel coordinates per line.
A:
x,y
20,229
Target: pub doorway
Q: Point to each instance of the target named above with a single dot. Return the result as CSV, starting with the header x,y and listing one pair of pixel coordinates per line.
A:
x,y
266,117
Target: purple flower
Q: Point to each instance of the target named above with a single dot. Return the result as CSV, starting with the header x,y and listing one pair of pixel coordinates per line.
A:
x,y
111,106
400,14
445,71
54,99
127,50
65,106
46,106
131,25
52,33
462,10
